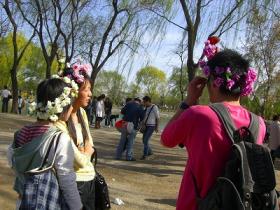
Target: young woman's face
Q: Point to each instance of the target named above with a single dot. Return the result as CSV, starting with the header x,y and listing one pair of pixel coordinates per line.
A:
x,y
84,94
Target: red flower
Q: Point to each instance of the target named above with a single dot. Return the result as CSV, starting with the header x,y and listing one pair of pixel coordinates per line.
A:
x,y
214,39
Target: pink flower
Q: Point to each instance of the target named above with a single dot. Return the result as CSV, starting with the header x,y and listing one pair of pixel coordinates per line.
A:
x,y
206,71
218,81
209,50
247,90
230,84
251,75
76,67
236,77
201,63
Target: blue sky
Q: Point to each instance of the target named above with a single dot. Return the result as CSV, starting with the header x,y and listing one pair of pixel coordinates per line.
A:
x,y
163,56
160,55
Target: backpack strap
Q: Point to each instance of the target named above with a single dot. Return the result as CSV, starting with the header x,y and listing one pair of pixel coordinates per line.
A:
x,y
254,126
226,119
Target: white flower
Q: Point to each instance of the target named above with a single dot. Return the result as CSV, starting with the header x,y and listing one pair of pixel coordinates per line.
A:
x,y
53,118
67,91
58,109
49,105
67,80
63,103
67,100
32,107
57,101
55,76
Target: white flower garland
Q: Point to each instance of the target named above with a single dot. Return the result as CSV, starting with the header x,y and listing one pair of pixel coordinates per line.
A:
x,y
52,108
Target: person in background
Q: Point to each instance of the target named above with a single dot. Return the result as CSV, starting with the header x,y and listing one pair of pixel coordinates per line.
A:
x,y
199,129
21,104
274,137
100,111
151,121
93,105
133,113
88,110
108,111
6,94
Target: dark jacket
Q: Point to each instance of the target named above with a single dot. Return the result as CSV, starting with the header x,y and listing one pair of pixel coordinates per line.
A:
x,y
133,112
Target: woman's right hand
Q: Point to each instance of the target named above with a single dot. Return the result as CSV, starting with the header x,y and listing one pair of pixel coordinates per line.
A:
x,y
88,150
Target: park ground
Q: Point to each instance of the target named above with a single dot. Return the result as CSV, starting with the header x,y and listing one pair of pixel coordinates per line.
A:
x,y
151,184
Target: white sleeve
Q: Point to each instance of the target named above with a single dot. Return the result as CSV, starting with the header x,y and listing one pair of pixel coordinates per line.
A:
x,y
10,153
64,167
156,111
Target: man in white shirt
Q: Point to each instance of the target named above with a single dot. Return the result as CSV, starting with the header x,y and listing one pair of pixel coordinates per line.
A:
x,y
151,122
5,99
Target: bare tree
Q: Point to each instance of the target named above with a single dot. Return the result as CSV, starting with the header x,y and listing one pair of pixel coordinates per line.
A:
x,y
193,14
4,23
181,54
9,7
58,24
72,23
120,31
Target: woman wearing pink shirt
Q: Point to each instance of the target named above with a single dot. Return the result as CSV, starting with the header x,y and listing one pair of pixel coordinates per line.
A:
x,y
198,128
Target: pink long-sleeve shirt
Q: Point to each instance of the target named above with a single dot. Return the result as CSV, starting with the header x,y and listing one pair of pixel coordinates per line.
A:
x,y
208,147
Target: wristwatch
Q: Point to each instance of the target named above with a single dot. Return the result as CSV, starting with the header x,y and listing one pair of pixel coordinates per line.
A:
x,y
184,105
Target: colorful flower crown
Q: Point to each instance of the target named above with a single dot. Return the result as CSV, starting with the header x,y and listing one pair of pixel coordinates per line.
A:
x,y
223,76
75,72
50,111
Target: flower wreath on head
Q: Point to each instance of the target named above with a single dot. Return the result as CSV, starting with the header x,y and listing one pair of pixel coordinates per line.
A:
x,y
76,72
50,111
224,76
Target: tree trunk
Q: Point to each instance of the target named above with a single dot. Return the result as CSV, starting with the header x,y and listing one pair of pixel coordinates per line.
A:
x,y
48,69
14,90
94,75
191,68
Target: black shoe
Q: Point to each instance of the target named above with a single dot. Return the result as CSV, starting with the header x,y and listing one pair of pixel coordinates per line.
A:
x,y
132,159
143,157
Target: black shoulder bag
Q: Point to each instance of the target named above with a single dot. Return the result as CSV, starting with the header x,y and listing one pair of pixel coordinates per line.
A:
x,y
143,125
102,199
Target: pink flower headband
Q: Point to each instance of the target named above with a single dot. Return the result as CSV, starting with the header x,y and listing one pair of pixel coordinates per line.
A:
x,y
224,75
76,71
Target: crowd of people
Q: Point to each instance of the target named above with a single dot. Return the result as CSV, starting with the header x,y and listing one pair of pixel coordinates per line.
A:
x,y
60,139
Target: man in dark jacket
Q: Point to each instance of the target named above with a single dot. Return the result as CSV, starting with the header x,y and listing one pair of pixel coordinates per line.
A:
x,y
133,113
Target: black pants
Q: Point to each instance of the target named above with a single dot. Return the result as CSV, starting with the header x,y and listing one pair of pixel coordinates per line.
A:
x,y
87,194
107,119
5,103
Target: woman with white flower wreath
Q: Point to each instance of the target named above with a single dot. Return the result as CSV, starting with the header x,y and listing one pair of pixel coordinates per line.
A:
x,y
78,128
40,140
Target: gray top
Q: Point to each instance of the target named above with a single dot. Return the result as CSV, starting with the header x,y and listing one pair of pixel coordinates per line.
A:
x,y
30,156
154,115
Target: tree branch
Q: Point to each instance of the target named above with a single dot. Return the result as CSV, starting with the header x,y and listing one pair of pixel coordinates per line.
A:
x,y
164,17
226,18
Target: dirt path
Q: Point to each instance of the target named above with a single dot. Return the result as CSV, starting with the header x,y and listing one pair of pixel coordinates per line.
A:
x,y
152,184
